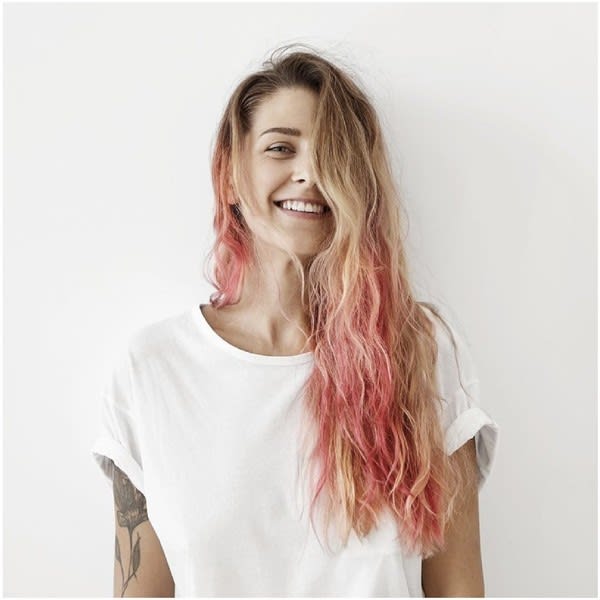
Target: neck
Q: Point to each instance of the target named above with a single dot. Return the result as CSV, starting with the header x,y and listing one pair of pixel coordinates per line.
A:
x,y
270,309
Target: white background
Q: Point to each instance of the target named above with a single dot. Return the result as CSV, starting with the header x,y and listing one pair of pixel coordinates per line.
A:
x,y
490,111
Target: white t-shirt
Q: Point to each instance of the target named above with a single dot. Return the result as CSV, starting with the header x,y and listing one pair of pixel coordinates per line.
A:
x,y
207,432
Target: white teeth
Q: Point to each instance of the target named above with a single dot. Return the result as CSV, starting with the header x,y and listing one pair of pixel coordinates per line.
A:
x,y
302,206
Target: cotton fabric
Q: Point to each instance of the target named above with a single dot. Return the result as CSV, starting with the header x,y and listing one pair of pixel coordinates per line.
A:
x,y
208,432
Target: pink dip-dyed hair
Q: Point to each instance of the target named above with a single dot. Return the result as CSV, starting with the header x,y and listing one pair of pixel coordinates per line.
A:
x,y
371,397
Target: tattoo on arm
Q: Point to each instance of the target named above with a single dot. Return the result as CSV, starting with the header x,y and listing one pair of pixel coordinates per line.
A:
x,y
131,511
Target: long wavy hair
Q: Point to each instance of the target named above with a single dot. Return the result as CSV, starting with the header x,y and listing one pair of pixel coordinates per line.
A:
x,y
372,399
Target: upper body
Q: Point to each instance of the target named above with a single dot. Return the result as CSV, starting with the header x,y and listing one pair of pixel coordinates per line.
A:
x,y
206,433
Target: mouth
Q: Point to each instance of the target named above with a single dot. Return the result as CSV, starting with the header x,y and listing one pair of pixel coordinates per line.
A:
x,y
302,213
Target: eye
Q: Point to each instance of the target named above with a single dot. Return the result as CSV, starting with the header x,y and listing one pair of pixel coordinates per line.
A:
x,y
275,147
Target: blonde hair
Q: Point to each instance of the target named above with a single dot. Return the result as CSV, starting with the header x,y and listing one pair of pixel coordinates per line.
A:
x,y
372,399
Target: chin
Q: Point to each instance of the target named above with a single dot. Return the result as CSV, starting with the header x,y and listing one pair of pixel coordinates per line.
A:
x,y
305,254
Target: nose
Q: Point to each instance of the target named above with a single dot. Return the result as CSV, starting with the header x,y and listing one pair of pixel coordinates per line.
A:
x,y
303,171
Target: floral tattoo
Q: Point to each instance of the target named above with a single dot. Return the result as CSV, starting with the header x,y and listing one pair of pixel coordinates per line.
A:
x,y
131,511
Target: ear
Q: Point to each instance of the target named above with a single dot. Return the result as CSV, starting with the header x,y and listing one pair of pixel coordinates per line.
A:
x,y
233,197
230,198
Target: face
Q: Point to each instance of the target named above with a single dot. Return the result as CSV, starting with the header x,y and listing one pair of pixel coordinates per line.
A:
x,y
279,168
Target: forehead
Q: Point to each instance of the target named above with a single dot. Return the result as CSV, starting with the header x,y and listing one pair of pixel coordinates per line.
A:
x,y
291,108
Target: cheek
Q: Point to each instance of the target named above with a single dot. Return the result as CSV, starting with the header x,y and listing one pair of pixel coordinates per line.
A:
x,y
271,171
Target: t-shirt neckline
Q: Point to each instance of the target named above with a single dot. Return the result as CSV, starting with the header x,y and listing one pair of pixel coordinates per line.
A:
x,y
217,340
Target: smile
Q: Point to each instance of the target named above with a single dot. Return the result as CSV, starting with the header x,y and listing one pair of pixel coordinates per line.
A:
x,y
303,210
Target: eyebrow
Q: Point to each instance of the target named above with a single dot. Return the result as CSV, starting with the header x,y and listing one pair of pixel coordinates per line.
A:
x,y
284,130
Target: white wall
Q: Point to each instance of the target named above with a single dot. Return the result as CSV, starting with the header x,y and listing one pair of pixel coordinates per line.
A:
x,y
490,109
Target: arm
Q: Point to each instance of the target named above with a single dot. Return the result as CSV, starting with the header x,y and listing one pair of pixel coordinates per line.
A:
x,y
141,568
456,571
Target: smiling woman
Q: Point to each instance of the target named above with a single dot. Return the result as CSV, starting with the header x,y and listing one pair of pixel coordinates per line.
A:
x,y
313,379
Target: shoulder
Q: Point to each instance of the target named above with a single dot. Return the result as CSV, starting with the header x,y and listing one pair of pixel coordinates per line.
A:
x,y
455,363
152,339
146,346
445,327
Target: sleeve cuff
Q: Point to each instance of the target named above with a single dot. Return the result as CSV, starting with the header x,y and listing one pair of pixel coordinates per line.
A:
x,y
105,448
474,422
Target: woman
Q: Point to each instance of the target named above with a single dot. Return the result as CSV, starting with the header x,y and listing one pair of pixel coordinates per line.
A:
x,y
311,380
